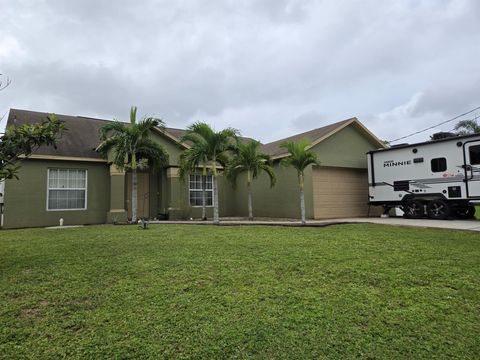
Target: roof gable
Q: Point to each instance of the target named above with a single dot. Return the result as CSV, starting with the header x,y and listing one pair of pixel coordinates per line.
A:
x,y
318,135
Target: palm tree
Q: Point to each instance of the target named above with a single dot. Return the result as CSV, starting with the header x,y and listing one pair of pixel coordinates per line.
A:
x,y
190,160
248,158
465,127
215,146
299,158
132,148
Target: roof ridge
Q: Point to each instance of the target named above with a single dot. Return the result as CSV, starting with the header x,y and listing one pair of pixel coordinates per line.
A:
x,y
58,114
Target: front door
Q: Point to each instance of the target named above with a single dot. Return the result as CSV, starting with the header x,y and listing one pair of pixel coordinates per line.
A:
x,y
472,165
143,194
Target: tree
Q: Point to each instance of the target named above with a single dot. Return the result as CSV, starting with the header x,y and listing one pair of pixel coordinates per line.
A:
x,y
19,142
132,148
247,158
465,127
190,160
4,83
299,158
215,146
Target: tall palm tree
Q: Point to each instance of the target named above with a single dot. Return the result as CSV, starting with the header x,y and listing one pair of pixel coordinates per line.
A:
x,y
190,161
465,127
133,148
299,158
215,146
247,158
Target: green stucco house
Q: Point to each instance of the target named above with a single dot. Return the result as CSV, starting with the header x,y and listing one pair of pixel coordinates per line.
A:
x,y
74,182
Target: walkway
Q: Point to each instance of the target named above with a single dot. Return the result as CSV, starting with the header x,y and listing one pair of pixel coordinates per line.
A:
x,y
472,225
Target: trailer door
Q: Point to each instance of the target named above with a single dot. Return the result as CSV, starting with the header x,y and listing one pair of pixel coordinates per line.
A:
x,y
472,167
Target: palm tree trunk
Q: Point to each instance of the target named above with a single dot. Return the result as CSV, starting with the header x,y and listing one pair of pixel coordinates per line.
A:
x,y
302,206
216,218
204,194
250,208
249,191
302,198
134,195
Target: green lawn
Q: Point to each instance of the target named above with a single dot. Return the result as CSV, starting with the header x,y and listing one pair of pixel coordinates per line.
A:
x,y
176,291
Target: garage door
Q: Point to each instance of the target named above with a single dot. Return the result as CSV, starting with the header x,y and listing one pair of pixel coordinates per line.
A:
x,y
339,192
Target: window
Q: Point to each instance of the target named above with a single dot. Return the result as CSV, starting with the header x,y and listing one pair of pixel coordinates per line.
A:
x,y
195,190
439,164
67,189
474,152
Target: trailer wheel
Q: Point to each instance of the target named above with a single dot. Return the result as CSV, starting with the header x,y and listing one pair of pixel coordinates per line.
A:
x,y
465,212
413,209
438,210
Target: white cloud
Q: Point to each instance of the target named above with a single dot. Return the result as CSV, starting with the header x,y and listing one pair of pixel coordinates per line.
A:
x,y
9,48
269,67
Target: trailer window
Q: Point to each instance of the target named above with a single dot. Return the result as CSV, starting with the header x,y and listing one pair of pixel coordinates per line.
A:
x,y
475,155
439,164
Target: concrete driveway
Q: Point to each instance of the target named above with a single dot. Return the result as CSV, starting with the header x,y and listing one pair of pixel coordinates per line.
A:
x,y
473,225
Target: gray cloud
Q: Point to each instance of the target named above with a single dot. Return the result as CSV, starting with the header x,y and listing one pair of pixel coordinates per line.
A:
x,y
267,67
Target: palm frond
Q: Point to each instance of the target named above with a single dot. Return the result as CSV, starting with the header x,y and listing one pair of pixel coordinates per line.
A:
x,y
246,157
201,130
468,126
222,159
125,143
133,115
299,158
271,174
153,151
149,124
208,145
192,137
229,132
111,129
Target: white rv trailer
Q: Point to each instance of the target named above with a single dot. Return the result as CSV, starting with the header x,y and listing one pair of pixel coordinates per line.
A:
x,y
438,178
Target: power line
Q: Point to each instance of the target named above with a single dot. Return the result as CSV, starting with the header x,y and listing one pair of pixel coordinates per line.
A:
x,y
434,126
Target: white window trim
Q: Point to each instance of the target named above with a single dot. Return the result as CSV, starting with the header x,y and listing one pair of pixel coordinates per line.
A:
x,y
206,190
48,188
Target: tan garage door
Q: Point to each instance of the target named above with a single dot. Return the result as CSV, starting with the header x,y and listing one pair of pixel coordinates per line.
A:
x,y
339,192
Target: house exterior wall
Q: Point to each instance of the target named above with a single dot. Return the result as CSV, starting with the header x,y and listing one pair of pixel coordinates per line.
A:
x,y
26,199
170,194
173,149
346,148
281,201
340,184
177,202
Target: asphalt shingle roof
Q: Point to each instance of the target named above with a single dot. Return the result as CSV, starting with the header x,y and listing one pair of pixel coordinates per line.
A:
x,y
274,149
82,134
79,140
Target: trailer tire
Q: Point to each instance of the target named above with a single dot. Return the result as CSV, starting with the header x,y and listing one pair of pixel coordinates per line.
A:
x,y
413,209
465,212
438,210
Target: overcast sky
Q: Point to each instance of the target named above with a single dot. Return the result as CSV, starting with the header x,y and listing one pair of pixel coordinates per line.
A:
x,y
270,68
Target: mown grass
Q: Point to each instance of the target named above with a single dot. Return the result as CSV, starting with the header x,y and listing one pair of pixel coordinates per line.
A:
x,y
350,291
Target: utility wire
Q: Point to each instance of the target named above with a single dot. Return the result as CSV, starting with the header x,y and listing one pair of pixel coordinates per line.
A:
x,y
434,126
